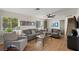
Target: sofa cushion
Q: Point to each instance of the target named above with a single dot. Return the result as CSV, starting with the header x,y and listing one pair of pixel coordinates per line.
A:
x,y
27,32
10,36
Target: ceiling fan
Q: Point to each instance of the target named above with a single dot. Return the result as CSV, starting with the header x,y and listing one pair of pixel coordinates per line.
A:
x,y
37,9
51,15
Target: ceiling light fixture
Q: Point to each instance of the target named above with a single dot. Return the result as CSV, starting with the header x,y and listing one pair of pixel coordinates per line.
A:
x,y
37,9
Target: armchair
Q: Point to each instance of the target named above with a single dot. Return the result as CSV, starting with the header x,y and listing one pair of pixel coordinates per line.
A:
x,y
56,33
73,40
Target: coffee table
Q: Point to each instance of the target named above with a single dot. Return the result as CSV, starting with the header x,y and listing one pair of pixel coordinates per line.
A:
x,y
40,41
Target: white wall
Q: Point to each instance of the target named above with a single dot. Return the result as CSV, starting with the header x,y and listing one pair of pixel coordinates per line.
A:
x,y
66,23
0,23
77,14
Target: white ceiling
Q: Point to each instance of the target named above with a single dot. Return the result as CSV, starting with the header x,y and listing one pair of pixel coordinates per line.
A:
x,y
42,11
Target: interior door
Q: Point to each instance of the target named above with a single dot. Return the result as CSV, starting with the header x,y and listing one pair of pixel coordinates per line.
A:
x,y
71,24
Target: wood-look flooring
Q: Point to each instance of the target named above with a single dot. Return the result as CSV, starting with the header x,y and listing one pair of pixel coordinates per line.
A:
x,y
50,44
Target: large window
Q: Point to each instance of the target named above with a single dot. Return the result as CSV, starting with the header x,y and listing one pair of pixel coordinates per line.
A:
x,y
40,25
55,24
9,22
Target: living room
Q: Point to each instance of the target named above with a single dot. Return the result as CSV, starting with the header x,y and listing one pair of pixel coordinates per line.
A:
x,y
41,29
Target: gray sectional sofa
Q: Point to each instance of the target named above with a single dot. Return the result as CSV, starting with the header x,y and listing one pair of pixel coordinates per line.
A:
x,y
30,33
11,39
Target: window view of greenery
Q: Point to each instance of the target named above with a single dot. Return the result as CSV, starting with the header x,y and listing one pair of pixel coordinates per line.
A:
x,y
9,23
14,22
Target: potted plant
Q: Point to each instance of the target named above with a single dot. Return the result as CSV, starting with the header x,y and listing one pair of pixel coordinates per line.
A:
x,y
8,30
